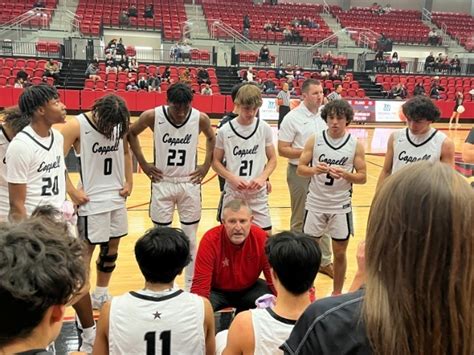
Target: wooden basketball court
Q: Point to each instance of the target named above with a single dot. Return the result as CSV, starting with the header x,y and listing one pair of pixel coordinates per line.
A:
x,y
127,276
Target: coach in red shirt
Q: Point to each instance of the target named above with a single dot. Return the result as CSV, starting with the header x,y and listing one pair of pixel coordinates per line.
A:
x,y
230,259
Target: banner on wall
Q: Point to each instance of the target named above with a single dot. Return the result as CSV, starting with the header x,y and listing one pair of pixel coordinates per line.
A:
x,y
364,110
388,110
268,111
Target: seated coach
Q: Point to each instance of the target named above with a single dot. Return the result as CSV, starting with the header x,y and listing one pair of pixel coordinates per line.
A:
x,y
230,259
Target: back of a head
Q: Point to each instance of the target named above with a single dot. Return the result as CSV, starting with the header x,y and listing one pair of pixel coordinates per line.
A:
x,y
40,267
162,253
419,262
179,94
111,115
295,258
13,117
35,96
419,108
249,95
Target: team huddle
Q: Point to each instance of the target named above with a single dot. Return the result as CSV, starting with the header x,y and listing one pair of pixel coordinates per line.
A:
x,y
324,161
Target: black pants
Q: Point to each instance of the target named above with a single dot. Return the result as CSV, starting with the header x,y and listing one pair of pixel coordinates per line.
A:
x,y
282,111
241,300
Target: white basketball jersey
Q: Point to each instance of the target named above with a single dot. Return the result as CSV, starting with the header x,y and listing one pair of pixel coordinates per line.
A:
x,y
140,323
245,154
408,148
41,167
102,169
176,146
327,194
4,201
270,331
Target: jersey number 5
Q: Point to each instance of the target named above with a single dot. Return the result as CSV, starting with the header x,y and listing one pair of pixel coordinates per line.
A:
x,y
165,337
330,180
176,157
50,186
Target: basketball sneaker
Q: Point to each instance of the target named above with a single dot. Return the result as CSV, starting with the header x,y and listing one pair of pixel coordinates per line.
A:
x,y
99,300
87,340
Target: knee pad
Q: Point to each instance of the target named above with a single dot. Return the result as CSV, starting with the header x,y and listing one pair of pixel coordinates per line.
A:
x,y
104,258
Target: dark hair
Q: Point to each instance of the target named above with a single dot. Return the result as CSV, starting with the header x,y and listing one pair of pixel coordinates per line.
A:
x,y
111,112
179,94
33,97
337,86
295,258
40,267
419,108
162,253
308,82
14,119
22,75
339,108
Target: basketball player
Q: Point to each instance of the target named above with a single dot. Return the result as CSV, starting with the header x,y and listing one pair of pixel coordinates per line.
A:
x,y
13,122
176,179
35,160
159,319
419,141
246,144
299,124
295,259
98,137
329,158
41,268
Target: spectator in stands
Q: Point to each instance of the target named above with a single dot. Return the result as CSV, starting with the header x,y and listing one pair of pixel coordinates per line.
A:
x,y
335,73
328,59
39,4
380,64
269,87
398,92
336,94
455,65
185,50
279,71
51,69
246,22
175,51
375,8
317,59
288,34
122,63
142,83
149,11
289,71
133,65
395,62
120,49
206,90
295,22
20,82
298,72
185,76
441,63
387,9
434,38
166,76
132,82
248,75
276,27
324,73
435,90
203,76
267,26
264,55
419,89
111,47
429,62
458,107
154,82
312,23
92,71
110,64
296,38
132,11
123,18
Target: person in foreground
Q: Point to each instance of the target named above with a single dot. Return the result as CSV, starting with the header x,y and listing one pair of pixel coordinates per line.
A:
x,y
418,295
41,268
294,259
159,319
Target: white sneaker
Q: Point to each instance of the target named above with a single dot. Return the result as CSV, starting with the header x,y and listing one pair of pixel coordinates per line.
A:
x,y
88,341
98,301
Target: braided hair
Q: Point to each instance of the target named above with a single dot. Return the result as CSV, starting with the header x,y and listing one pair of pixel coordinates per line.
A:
x,y
111,112
33,97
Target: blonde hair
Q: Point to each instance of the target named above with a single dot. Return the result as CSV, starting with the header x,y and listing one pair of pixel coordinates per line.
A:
x,y
420,264
249,95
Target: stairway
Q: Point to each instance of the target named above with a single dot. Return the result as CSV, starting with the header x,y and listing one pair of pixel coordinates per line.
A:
x,y
197,22
371,90
343,39
227,78
72,74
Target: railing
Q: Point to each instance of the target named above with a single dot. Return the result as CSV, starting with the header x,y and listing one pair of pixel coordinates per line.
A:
x,y
235,35
16,24
426,15
326,8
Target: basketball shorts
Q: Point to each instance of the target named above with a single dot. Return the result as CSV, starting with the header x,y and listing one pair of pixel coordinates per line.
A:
x,y
101,227
258,203
166,195
338,226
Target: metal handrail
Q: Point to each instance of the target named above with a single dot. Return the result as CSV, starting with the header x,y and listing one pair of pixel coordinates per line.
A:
x,y
218,24
426,15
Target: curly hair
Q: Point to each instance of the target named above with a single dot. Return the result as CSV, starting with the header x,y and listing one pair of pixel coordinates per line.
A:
x,y
33,97
111,116
179,94
338,108
421,108
40,266
13,117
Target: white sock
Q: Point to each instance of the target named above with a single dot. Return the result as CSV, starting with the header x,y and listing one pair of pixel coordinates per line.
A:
x,y
190,230
89,332
99,291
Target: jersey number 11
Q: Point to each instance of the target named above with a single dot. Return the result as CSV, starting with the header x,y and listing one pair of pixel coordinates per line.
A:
x,y
165,337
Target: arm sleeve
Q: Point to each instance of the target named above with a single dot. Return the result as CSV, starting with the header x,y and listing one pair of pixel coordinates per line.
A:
x,y
204,268
286,132
220,139
18,161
